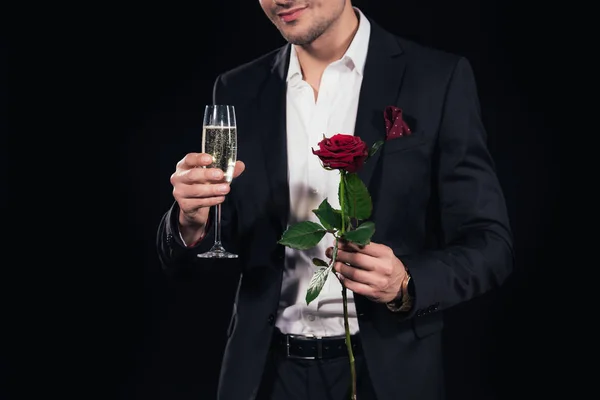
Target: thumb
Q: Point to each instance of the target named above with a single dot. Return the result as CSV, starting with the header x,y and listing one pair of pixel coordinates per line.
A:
x,y
239,168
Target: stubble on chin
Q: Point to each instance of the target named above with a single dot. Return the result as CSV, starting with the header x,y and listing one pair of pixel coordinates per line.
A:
x,y
301,40
304,38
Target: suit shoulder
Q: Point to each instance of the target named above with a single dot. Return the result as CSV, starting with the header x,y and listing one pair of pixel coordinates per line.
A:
x,y
247,75
431,58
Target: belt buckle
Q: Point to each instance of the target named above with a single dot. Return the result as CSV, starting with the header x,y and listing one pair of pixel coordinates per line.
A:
x,y
319,348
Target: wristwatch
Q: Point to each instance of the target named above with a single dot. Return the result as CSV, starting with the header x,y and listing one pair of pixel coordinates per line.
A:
x,y
404,301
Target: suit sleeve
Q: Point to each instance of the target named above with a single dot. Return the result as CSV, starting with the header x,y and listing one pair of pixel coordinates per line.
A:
x,y
477,252
177,259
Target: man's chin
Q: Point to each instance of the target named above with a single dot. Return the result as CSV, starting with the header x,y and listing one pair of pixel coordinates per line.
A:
x,y
296,41
297,38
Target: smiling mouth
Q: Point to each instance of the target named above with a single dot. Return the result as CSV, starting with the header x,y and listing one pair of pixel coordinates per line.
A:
x,y
291,15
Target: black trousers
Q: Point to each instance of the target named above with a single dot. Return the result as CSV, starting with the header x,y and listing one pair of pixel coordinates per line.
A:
x,y
327,379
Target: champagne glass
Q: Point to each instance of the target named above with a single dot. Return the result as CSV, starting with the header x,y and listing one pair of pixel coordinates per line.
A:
x,y
219,139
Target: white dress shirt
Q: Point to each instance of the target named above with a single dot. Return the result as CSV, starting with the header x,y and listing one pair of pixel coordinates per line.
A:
x,y
308,120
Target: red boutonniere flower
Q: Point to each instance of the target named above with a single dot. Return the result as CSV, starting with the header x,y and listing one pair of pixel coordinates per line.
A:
x,y
395,126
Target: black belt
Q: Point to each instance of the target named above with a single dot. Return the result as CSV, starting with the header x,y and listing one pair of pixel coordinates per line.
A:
x,y
313,347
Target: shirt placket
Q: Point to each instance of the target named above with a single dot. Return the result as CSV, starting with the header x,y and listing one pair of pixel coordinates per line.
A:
x,y
320,125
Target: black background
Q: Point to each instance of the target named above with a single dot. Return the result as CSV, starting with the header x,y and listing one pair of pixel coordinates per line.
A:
x,y
130,83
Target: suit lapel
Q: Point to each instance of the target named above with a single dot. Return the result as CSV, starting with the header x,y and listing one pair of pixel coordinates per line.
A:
x,y
271,121
384,69
382,79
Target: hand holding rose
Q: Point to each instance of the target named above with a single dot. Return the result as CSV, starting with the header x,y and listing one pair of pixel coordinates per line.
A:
x,y
362,266
372,270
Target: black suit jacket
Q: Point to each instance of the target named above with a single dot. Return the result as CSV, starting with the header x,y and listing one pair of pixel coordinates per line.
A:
x,y
437,204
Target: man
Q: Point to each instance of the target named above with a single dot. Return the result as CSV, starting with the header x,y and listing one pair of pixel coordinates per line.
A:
x,y
442,233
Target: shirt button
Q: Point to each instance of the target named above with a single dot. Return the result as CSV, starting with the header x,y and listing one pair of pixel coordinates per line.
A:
x,y
310,317
315,191
271,319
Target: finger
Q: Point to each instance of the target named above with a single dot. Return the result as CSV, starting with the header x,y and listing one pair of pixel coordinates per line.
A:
x,y
329,250
189,205
358,260
239,168
203,191
355,274
372,249
193,160
358,287
200,175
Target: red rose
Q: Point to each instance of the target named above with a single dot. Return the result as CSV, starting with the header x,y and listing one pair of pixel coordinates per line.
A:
x,y
342,151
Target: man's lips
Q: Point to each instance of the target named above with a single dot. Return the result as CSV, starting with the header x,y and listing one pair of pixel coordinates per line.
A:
x,y
291,15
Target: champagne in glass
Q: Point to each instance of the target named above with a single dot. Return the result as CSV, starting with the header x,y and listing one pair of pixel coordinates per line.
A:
x,y
219,139
220,143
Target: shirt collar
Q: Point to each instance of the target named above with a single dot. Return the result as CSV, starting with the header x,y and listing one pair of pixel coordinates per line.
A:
x,y
355,56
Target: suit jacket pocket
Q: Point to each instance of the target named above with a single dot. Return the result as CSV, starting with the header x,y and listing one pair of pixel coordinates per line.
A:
x,y
404,142
428,324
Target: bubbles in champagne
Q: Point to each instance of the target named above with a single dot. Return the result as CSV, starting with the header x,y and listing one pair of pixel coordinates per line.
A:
x,y
221,143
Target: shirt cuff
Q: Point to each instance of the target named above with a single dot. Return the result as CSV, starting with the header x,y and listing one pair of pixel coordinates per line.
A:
x,y
197,241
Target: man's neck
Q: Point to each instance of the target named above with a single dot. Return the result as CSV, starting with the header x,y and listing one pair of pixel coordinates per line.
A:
x,y
329,47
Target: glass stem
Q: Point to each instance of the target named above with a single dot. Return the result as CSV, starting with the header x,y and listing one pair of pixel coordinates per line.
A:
x,y
218,224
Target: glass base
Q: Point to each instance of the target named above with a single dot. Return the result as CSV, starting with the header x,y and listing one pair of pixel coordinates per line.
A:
x,y
217,251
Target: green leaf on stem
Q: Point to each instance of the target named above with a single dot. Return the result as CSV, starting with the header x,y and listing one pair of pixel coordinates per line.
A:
x,y
328,216
339,215
357,202
362,234
303,235
319,263
316,283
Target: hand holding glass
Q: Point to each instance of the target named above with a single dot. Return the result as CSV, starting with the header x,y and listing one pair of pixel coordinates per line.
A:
x,y
219,139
